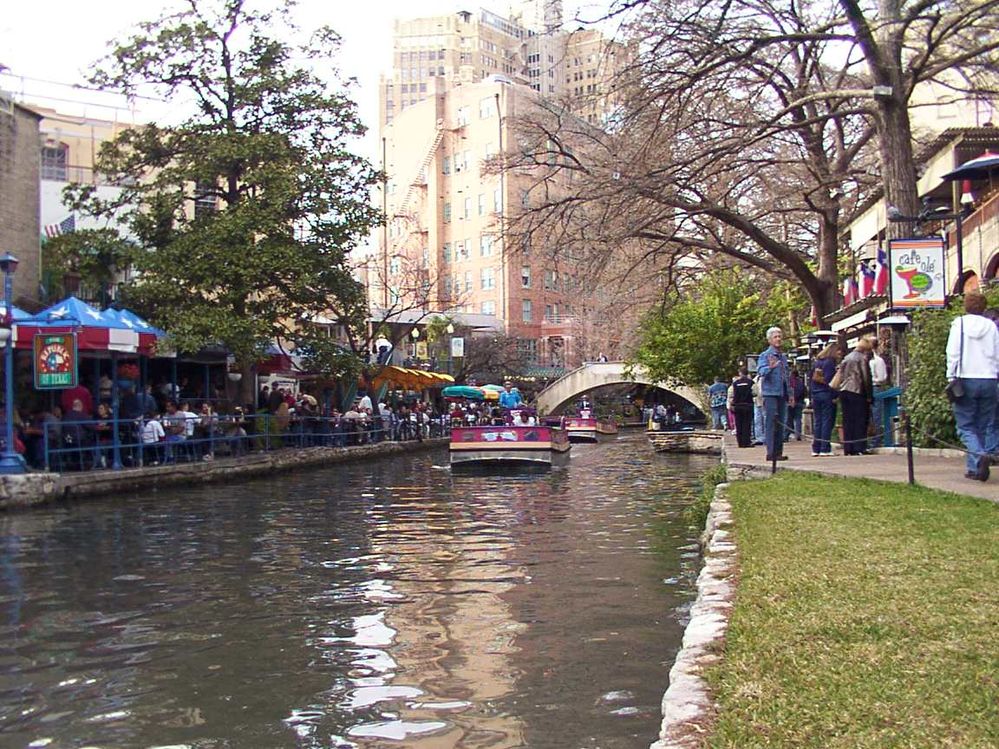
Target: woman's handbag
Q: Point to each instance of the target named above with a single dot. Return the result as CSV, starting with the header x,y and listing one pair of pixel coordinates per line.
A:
x,y
955,387
837,381
818,376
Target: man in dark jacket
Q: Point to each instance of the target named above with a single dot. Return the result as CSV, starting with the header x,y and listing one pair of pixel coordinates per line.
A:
x,y
742,406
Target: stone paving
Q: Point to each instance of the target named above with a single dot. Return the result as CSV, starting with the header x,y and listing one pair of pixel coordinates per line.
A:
x,y
936,469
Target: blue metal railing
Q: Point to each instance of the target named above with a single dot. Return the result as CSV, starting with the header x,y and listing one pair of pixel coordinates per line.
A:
x,y
130,443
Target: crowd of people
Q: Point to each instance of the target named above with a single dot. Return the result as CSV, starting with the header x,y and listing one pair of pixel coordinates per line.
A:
x,y
768,410
156,426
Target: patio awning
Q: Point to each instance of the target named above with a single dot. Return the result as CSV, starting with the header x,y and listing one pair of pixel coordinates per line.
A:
x,y
413,379
95,331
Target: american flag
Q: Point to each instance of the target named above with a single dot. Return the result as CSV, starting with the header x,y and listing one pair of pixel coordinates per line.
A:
x,y
65,226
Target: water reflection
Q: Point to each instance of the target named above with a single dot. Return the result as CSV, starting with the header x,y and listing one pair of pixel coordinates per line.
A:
x,y
388,604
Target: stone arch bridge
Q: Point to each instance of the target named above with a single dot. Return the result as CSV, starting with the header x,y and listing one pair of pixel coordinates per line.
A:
x,y
597,374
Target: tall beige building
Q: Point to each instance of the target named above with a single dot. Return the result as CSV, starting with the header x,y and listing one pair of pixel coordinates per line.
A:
x,y
528,47
457,85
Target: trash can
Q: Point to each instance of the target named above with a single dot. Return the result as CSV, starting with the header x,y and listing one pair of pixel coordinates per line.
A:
x,y
889,413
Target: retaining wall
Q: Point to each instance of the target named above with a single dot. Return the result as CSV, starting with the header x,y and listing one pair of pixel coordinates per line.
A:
x,y
30,489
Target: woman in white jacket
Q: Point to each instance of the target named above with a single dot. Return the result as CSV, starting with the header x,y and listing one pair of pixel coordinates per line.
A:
x,y
973,363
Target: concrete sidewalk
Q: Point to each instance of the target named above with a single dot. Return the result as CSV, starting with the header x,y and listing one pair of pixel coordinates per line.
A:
x,y
937,469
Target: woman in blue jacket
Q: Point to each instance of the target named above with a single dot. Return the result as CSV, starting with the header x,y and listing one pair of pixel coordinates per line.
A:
x,y
824,399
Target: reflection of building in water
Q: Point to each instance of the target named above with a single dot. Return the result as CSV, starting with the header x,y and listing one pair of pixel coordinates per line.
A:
x,y
453,632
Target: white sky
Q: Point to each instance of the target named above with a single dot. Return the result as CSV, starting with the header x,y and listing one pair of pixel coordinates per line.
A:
x,y
57,40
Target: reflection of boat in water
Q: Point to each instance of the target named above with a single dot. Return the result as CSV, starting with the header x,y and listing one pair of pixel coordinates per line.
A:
x,y
479,445
589,428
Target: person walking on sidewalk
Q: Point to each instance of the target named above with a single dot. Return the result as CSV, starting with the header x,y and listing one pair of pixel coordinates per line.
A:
x,y
972,370
717,395
795,407
824,400
855,394
775,386
879,381
742,407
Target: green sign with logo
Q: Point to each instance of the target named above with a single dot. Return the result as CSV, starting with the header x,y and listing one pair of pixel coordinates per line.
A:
x,y
55,361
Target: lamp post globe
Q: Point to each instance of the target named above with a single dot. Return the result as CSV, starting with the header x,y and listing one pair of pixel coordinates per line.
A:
x,y
10,461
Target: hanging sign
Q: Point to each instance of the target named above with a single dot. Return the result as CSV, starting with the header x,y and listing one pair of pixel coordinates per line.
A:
x,y
457,347
917,272
55,361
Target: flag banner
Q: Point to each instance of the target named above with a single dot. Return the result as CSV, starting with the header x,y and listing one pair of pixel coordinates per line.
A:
x,y
881,279
917,277
849,291
867,276
66,226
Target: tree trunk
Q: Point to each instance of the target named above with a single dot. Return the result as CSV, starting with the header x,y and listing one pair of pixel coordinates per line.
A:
x,y
898,169
248,384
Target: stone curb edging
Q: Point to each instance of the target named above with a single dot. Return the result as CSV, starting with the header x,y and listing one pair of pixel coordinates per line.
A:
x,y
687,706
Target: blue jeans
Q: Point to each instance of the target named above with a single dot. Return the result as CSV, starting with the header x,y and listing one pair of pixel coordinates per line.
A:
x,y
877,416
719,419
975,414
794,416
823,418
992,438
759,432
775,416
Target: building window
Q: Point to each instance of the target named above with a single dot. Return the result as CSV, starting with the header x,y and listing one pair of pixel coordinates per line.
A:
x,y
487,278
461,249
55,163
447,252
482,204
205,200
468,208
549,313
446,166
526,310
488,307
528,348
447,213
487,108
525,276
468,280
551,280
395,266
485,245
497,201
462,116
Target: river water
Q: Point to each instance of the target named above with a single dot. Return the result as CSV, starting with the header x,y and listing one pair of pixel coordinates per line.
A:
x,y
381,604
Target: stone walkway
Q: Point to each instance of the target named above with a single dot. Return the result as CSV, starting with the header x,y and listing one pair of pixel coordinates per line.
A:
x,y
937,469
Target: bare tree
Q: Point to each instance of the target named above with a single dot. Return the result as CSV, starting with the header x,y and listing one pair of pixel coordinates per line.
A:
x,y
744,129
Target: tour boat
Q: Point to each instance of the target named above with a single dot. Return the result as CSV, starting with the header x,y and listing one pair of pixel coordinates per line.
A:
x,y
532,445
589,428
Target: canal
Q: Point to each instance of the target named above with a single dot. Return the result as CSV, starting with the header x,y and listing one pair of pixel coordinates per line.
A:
x,y
380,604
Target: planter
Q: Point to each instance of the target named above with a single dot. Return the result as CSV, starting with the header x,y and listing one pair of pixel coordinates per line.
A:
x,y
235,376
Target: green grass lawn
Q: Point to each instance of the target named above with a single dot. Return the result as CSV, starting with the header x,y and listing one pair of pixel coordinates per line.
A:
x,y
867,615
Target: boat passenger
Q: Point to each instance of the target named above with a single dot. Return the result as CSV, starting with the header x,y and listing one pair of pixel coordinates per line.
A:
x,y
510,397
525,420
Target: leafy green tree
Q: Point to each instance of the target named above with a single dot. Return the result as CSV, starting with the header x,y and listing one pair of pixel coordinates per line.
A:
x,y
248,207
97,255
707,333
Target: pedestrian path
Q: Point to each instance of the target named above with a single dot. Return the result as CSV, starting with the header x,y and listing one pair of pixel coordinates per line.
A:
x,y
935,469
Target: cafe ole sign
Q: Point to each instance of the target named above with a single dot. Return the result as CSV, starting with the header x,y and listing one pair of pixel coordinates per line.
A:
x,y
55,359
917,277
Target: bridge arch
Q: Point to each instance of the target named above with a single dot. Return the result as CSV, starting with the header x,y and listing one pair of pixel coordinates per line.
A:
x,y
598,374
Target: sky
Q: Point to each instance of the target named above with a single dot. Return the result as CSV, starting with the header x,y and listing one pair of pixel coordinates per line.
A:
x,y
48,46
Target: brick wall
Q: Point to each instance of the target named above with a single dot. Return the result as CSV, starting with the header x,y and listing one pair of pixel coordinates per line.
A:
x,y
19,196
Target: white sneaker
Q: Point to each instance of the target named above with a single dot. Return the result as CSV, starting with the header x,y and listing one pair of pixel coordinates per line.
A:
x,y
815,455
